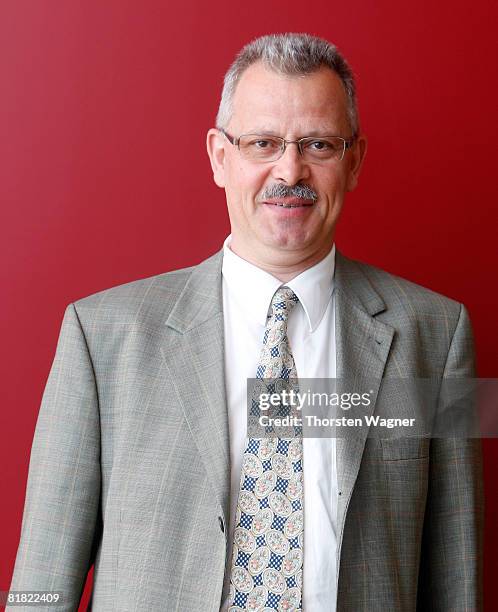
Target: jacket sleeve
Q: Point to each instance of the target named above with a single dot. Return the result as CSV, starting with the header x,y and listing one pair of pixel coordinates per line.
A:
x,y
61,517
451,558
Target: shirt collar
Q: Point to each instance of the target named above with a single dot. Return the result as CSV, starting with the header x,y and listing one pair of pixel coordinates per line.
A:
x,y
252,288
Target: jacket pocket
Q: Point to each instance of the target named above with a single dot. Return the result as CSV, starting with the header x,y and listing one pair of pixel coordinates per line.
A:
x,y
398,449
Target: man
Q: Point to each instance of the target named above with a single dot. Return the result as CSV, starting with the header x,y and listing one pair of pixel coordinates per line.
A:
x,y
140,461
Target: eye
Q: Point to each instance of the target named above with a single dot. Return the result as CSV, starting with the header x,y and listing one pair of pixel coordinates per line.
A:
x,y
263,143
318,145
259,146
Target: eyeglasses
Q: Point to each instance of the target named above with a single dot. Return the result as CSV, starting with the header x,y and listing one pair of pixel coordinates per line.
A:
x,y
265,148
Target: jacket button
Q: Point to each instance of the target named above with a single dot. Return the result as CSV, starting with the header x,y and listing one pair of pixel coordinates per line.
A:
x,y
222,525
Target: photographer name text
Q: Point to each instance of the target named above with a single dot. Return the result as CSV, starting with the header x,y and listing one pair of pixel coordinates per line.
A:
x,y
315,421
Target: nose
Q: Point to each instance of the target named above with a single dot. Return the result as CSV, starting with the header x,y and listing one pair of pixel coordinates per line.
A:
x,y
291,168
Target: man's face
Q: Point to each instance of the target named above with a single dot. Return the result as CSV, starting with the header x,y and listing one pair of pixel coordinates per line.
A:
x,y
266,102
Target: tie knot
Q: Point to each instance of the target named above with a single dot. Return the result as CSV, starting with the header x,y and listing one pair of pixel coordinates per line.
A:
x,y
283,302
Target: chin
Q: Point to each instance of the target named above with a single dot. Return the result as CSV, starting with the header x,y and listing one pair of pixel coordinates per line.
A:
x,y
289,241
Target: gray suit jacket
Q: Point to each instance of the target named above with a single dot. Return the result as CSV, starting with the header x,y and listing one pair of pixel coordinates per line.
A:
x,y
130,460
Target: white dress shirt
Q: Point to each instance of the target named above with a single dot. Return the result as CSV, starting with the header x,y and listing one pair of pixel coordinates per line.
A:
x,y
247,294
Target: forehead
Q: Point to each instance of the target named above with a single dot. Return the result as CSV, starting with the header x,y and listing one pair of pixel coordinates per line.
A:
x,y
290,105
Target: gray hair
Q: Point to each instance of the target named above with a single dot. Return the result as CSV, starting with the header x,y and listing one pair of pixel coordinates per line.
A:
x,y
289,54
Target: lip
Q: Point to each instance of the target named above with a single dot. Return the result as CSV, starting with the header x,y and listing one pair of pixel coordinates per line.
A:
x,y
288,203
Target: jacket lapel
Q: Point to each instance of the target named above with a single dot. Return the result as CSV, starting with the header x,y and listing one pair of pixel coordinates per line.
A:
x,y
194,356
363,344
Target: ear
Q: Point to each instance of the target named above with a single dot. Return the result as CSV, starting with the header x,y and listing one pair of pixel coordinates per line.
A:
x,y
357,156
215,143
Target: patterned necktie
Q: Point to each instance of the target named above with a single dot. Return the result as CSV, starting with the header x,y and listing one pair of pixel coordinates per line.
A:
x,y
267,559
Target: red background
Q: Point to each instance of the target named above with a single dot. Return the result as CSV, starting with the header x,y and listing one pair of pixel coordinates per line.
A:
x,y
104,178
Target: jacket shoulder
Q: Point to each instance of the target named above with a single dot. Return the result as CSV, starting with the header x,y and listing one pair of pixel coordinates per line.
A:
x,y
146,299
403,294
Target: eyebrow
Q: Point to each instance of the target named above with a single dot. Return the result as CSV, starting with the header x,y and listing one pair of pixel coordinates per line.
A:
x,y
261,131
311,133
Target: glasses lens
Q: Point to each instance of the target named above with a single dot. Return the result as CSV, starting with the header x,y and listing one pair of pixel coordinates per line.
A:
x,y
316,149
260,147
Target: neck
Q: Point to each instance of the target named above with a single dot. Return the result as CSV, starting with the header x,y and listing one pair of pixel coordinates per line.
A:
x,y
281,264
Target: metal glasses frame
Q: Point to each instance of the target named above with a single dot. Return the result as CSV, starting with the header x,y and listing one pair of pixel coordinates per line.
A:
x,y
235,141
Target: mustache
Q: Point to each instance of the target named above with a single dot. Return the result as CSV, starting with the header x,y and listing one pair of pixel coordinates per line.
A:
x,y
278,190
